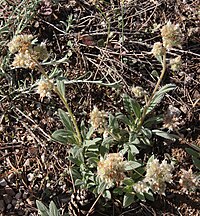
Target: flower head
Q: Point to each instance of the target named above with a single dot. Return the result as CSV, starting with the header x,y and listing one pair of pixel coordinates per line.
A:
x,y
158,174
172,118
44,89
171,35
158,50
176,63
189,181
141,187
23,60
20,43
112,168
138,91
98,119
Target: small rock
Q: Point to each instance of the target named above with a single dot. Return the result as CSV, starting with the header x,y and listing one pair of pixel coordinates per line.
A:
x,y
25,195
3,182
30,177
14,201
18,195
7,199
20,212
9,206
2,206
9,191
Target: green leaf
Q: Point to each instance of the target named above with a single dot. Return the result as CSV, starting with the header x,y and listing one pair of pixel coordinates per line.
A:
x,y
107,194
91,142
42,209
128,199
149,196
140,196
133,139
65,136
192,152
61,87
65,120
53,211
165,134
133,149
196,162
113,123
132,106
128,181
131,165
123,118
75,160
101,187
153,121
78,182
159,95
147,132
90,132
118,191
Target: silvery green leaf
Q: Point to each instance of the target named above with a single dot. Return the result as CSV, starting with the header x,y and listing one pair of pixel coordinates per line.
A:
x,y
42,209
159,95
128,200
132,106
64,117
53,211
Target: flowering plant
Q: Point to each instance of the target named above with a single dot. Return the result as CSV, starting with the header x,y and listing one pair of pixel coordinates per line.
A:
x,y
103,150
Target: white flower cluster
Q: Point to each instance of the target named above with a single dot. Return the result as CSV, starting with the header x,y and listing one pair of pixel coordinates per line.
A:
x,y
156,177
171,35
20,43
176,63
158,50
44,88
27,55
98,119
112,168
138,91
189,181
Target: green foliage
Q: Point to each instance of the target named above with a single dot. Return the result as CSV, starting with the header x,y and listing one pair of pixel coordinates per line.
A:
x,y
44,211
159,95
195,155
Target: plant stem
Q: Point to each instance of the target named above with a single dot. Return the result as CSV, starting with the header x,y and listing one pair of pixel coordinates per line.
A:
x,y
55,89
164,66
70,113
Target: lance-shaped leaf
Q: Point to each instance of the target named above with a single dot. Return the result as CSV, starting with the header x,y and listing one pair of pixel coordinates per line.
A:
x,y
53,211
132,106
64,117
42,209
159,95
65,136
61,87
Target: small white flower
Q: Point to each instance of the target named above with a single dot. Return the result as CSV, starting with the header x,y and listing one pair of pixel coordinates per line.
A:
x,y
44,88
98,119
158,174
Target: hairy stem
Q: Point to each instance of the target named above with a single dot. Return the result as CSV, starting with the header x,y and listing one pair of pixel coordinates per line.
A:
x,y
70,113
55,89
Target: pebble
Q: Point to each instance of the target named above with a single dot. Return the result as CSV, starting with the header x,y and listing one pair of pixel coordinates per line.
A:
x,y
18,195
9,191
7,199
3,182
2,206
25,195
14,201
9,206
